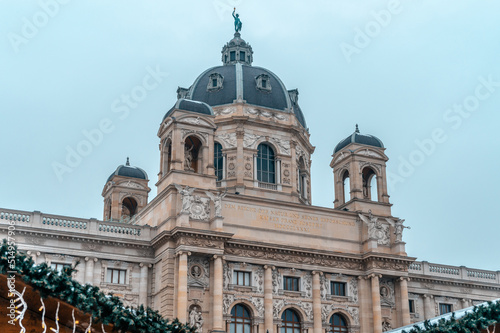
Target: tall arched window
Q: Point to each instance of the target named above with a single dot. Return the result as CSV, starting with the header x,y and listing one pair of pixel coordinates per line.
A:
x,y
291,322
369,184
346,186
129,208
301,180
218,161
240,320
338,324
192,147
266,165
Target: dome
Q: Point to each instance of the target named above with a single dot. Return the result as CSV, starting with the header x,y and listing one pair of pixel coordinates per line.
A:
x,y
129,171
192,106
255,85
364,139
238,80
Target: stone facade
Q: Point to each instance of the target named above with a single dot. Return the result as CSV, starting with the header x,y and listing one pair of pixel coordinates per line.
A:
x,y
207,243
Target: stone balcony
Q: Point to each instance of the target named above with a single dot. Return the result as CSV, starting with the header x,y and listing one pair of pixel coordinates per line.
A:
x,y
453,272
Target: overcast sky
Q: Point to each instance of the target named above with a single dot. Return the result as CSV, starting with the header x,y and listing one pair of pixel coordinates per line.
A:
x,y
422,75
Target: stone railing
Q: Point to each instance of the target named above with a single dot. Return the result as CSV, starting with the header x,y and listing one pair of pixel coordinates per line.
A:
x,y
453,272
56,223
14,216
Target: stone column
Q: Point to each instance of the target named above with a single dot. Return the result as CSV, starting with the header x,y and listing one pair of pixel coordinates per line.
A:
x,y
143,284
182,297
364,304
268,299
89,270
405,307
218,320
316,293
377,311
428,310
465,303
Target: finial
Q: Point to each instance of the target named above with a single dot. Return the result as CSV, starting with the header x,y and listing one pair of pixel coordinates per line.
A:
x,y
357,128
237,21
128,163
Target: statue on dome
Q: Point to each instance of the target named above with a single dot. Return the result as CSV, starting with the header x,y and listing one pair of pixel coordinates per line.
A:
x,y
237,21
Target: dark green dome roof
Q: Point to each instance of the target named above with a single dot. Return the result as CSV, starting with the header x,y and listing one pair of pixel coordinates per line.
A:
x,y
129,171
356,137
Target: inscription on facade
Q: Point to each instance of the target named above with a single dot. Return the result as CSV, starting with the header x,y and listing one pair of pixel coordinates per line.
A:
x,y
286,220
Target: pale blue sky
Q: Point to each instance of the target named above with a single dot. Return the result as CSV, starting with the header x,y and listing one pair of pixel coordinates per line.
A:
x,y
400,84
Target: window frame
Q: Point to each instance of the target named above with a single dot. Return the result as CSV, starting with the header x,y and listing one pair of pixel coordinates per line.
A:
x,y
343,290
447,305
218,159
338,328
266,164
109,277
236,320
295,283
245,274
290,326
411,305
55,266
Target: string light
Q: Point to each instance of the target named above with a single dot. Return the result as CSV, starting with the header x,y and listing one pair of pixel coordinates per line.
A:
x,y
56,330
74,322
43,315
89,328
23,305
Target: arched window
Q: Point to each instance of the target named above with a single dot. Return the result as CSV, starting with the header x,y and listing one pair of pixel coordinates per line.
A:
x,y
240,320
346,186
266,165
369,184
192,147
301,181
167,157
129,208
291,322
218,161
338,323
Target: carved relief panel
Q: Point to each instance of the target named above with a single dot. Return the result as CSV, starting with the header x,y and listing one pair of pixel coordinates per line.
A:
x,y
198,271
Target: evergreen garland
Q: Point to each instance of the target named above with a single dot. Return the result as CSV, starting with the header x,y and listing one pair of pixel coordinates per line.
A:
x,y
480,318
106,309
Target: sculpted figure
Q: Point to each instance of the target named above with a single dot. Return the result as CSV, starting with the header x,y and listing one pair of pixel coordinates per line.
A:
x,y
237,21
187,196
188,157
217,199
398,228
196,320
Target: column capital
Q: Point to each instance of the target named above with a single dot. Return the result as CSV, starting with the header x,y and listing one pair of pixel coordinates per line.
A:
x,y
188,253
91,259
218,256
270,267
142,264
317,272
427,296
373,275
402,278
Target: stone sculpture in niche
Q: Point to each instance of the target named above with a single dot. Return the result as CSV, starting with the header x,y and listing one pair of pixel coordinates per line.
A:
x,y
196,320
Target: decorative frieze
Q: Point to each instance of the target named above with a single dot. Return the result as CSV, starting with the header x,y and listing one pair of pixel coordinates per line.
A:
x,y
229,139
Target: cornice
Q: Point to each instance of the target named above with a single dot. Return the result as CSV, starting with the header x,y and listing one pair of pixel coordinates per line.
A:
x,y
453,282
191,233
94,239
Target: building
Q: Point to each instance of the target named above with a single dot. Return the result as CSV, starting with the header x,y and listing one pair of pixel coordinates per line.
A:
x,y
232,243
